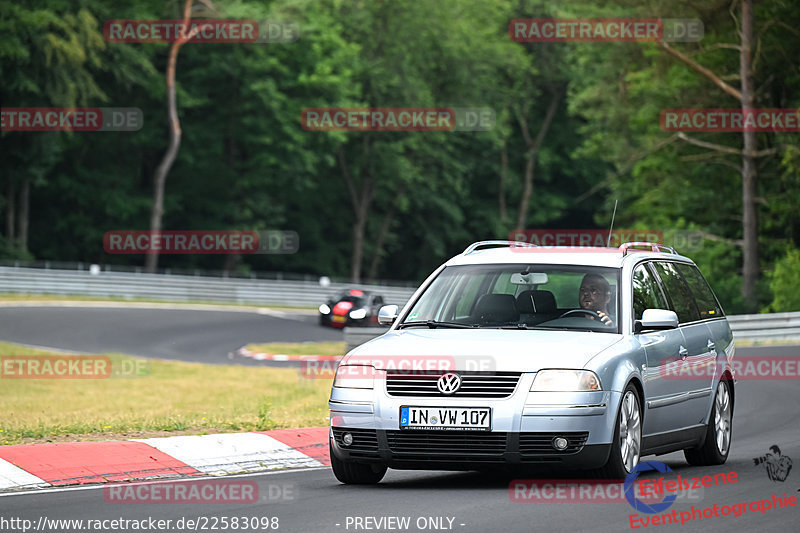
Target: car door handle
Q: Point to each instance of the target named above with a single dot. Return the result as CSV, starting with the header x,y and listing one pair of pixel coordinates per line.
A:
x,y
683,352
711,346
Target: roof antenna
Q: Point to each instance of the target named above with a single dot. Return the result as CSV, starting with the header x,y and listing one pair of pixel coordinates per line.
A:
x,y
608,243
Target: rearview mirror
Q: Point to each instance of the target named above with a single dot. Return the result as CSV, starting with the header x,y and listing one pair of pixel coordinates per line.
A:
x,y
657,319
531,278
388,314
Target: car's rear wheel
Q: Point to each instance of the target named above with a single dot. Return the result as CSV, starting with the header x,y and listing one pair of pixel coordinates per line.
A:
x,y
717,444
627,443
352,473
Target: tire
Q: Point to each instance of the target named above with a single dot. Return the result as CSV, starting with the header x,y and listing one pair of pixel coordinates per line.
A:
x,y
717,443
351,473
625,450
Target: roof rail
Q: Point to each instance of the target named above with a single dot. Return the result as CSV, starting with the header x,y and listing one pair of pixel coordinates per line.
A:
x,y
654,247
486,244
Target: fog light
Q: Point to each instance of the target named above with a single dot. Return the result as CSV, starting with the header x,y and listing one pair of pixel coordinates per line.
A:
x,y
560,443
347,439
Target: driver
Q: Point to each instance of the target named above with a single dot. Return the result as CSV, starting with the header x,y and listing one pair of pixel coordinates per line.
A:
x,y
594,295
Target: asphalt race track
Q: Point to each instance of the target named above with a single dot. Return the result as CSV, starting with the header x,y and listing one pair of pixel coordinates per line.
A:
x,y
766,413
180,334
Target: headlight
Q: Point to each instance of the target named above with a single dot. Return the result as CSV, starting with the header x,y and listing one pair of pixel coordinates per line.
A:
x,y
565,381
354,377
324,309
358,314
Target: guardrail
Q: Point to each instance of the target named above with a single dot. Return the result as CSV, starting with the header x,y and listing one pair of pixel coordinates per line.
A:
x,y
126,285
775,326
183,288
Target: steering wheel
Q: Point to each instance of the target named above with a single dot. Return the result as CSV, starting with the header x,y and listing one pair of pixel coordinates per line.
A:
x,y
581,311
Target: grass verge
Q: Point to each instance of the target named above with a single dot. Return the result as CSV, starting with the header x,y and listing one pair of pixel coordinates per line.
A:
x,y
167,398
300,348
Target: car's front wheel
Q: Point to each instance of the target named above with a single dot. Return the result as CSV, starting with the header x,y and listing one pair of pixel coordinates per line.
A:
x,y
352,473
627,444
717,444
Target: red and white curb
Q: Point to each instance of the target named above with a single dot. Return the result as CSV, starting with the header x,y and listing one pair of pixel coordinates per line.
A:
x,y
260,356
69,463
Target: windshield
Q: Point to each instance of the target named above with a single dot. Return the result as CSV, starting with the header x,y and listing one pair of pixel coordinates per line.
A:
x,y
521,296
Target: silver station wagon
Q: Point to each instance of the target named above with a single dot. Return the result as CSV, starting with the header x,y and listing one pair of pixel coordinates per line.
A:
x,y
514,355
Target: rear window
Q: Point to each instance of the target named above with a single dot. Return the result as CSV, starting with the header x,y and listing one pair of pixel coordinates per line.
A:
x,y
678,292
706,301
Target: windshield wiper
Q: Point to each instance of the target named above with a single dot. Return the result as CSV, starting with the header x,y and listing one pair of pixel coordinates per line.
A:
x,y
433,324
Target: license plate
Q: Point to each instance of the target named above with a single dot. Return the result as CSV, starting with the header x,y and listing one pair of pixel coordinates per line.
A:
x,y
446,418
338,318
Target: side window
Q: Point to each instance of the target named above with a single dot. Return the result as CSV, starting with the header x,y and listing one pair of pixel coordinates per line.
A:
x,y
680,297
646,293
703,295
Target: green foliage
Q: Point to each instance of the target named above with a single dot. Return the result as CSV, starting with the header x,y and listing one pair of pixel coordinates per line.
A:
x,y
246,163
784,281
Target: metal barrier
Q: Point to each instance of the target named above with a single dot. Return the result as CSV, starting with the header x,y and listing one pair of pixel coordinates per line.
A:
x,y
125,285
775,326
183,288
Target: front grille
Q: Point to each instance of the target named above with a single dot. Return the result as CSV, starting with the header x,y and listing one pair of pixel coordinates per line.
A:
x,y
365,441
538,444
457,446
473,384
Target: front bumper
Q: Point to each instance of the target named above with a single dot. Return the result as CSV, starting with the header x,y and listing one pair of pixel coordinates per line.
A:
x,y
523,426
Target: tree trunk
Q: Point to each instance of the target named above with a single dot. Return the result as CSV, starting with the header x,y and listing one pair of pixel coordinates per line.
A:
x,y
164,167
501,193
10,213
24,215
749,171
361,201
532,153
372,273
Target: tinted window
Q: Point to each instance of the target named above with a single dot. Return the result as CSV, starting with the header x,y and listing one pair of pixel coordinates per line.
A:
x,y
680,297
706,302
646,293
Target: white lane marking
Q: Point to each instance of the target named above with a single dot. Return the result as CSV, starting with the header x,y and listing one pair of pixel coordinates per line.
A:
x,y
12,477
231,453
29,492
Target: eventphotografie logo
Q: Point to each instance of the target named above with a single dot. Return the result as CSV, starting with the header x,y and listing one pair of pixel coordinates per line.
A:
x,y
71,119
550,30
397,119
200,31
201,242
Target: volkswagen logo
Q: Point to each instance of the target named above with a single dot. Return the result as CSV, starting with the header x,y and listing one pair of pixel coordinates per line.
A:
x,y
449,383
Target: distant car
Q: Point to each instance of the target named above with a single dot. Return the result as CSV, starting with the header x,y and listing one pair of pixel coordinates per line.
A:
x,y
353,307
532,374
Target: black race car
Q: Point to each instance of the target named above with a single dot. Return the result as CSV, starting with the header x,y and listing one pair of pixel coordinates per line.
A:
x,y
352,307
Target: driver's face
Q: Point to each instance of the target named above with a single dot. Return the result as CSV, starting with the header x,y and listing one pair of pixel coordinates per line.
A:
x,y
592,295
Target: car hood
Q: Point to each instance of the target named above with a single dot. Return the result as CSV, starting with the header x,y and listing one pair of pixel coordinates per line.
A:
x,y
485,349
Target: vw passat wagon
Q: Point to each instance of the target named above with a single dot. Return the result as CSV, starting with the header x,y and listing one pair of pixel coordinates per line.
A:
x,y
513,355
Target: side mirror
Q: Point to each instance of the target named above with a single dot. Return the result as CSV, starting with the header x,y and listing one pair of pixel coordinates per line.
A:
x,y
388,314
656,319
